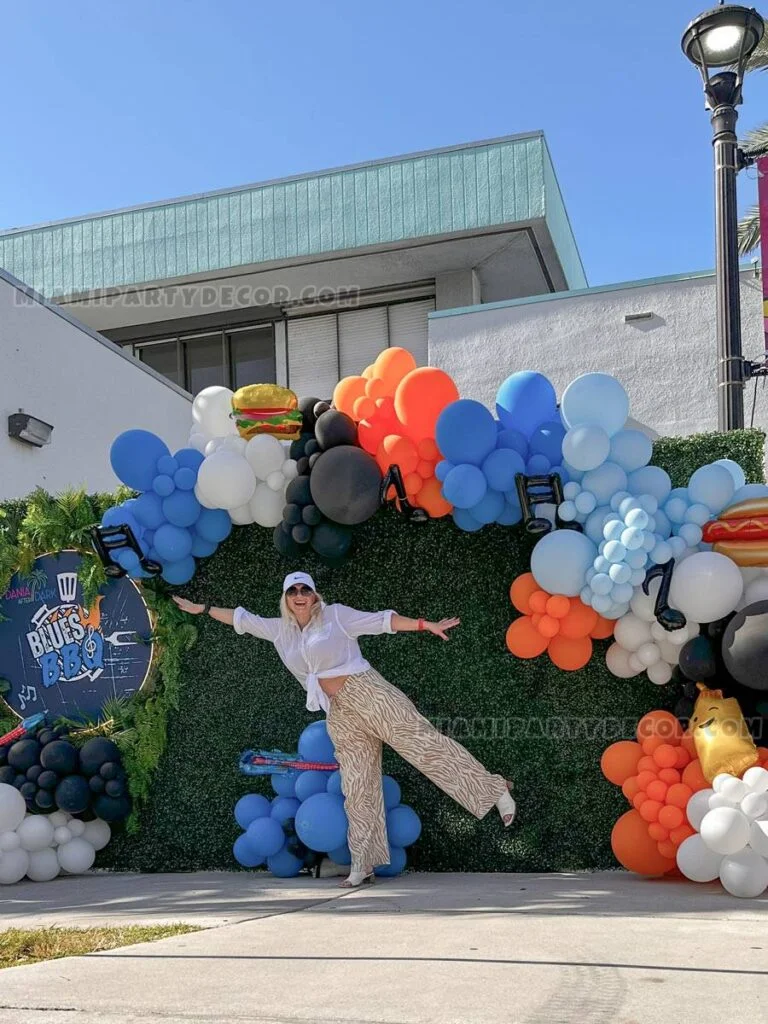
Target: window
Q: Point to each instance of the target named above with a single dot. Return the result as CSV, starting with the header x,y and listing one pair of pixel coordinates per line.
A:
x,y
163,357
252,356
205,362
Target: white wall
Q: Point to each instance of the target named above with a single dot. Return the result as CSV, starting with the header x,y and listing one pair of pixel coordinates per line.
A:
x,y
667,364
64,373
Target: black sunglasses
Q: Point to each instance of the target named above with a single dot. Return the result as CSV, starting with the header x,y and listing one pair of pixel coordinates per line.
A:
x,y
299,591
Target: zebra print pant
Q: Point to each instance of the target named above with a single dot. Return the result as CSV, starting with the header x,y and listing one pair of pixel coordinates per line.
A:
x,y
368,711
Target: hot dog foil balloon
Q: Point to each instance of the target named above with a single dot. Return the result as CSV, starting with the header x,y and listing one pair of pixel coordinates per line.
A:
x,y
723,742
741,532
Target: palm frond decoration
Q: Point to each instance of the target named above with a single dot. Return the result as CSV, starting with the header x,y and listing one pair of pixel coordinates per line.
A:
x,y
749,231
755,142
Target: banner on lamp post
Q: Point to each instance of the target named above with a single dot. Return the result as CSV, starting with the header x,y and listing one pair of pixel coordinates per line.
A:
x,y
762,198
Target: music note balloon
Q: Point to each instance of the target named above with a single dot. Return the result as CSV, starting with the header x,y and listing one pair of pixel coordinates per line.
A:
x,y
670,618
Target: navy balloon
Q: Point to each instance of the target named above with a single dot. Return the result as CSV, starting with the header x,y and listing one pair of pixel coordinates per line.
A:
x,y
465,432
341,855
403,825
214,525
334,784
172,543
182,508
321,823
513,439
134,455
547,440
244,853
180,571
167,465
163,485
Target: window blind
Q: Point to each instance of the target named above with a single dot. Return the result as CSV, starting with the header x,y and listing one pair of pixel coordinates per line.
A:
x,y
408,327
362,335
313,364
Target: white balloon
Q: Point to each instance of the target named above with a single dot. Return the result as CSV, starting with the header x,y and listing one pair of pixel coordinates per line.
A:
x,y
12,808
706,586
214,445
43,865
76,827
267,506
9,841
97,833
242,515
617,662
635,664
632,632
59,818
77,856
718,800
62,835
658,632
754,805
744,874
227,479
212,409
732,789
234,444
725,830
276,481
202,500
669,652
13,866
265,454
758,837
643,604
660,673
756,591
197,441
35,832
697,807
697,862
290,469
648,653
756,779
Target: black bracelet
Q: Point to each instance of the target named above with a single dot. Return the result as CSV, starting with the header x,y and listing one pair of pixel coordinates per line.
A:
x,y
206,608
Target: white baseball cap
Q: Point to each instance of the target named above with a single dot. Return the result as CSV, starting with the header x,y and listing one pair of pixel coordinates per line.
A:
x,y
298,577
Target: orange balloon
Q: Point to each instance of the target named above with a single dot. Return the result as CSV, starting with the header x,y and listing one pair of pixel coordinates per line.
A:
x,y
671,817
346,392
669,775
521,591
689,744
647,764
659,723
428,449
681,833
665,755
368,371
762,753
650,743
650,810
630,789
579,621
667,849
391,366
413,483
644,779
548,627
431,499
536,619
523,640
634,849
538,601
375,388
683,756
385,409
658,832
604,628
363,408
558,606
420,398
425,469
694,777
396,450
570,655
619,762
638,800
679,795
657,790
370,435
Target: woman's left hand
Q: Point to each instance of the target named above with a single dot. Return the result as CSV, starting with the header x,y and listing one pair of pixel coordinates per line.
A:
x,y
441,628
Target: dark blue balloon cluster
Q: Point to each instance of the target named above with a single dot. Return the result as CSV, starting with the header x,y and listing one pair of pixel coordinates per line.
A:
x,y
168,521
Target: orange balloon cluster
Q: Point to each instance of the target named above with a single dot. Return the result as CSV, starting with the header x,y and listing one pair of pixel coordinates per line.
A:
x,y
396,405
562,626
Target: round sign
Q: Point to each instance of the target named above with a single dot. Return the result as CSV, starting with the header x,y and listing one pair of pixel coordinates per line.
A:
x,y
62,658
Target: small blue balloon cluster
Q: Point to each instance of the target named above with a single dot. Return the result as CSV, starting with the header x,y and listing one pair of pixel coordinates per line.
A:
x,y
309,807
482,455
168,521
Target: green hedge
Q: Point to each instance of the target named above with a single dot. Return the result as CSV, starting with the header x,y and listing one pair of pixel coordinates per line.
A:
x,y
510,713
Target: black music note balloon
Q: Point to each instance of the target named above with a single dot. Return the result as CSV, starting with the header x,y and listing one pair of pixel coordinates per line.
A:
x,y
394,478
538,490
670,618
107,540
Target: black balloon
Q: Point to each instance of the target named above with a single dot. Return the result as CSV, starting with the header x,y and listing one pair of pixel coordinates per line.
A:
x,y
331,541
689,690
110,808
301,533
73,794
302,466
307,410
46,736
59,756
34,773
311,515
3,756
7,774
345,485
44,800
283,541
23,754
320,408
697,659
115,787
19,780
109,770
292,514
97,752
745,646
684,709
334,428
28,790
311,447
313,459
48,780
298,492
96,784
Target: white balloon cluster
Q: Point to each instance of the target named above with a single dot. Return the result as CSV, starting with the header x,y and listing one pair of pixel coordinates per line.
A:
x,y
40,846
641,644
247,478
731,820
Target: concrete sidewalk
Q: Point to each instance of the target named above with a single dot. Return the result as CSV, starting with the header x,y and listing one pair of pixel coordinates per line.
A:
x,y
606,948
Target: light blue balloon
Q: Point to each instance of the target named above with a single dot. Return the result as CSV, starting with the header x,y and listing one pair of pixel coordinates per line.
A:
x,y
601,583
172,543
568,511
712,486
617,498
675,510
403,825
648,504
396,866
615,551
265,836
560,560
213,525
661,553
163,485
250,807
595,399
595,523
501,467
180,571
547,440
315,744
488,508
691,534
284,808
510,515
749,491
134,455
573,473
739,479
637,519
637,559
466,521
622,593
616,611
513,439
678,546
602,565
585,503
602,603
604,482
698,514
465,432
631,450
663,525
321,823
189,458
632,539
586,447
464,486
650,480
525,400
613,530
244,854
149,510
620,572
182,508
442,469
284,864
391,790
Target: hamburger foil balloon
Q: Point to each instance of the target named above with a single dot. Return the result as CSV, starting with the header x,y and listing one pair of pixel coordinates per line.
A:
x,y
721,736
266,409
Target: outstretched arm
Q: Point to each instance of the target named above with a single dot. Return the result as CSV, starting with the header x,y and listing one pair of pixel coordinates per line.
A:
x,y
402,625
242,620
225,615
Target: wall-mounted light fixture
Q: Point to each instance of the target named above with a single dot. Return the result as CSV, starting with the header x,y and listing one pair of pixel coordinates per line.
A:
x,y
633,318
29,429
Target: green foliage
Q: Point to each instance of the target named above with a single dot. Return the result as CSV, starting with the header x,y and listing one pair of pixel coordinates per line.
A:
x,y
681,456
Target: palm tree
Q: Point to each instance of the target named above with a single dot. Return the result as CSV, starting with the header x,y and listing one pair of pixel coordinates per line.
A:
x,y
754,144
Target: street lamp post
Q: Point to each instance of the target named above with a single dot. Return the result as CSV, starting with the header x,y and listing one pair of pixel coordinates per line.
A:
x,y
725,38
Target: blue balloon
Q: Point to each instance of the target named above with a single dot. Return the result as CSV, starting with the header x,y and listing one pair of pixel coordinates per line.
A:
x,y
586,447
133,457
510,515
283,808
121,515
265,836
501,467
442,469
712,486
203,548
595,399
391,793
490,506
315,744
749,491
172,543
185,478
182,508
650,480
321,823
466,521
513,439
396,866
334,784
631,449
250,807
285,864
284,783
163,485
595,523
167,465
149,510
309,783
189,458
538,465
214,525
464,486
562,472
465,431
341,855
244,854
180,571
525,400
560,561
127,559
739,478
547,440
403,825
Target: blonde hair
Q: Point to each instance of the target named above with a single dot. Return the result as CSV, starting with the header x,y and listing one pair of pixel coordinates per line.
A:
x,y
287,614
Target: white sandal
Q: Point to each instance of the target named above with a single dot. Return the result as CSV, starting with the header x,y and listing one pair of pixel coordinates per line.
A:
x,y
507,807
357,877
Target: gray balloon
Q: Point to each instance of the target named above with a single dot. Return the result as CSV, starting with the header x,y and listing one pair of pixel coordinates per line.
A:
x,y
345,484
745,646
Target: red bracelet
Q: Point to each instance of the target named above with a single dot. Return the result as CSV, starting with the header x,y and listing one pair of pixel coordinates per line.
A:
x,y
421,624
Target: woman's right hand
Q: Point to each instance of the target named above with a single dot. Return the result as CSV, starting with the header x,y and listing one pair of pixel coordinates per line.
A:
x,y
189,606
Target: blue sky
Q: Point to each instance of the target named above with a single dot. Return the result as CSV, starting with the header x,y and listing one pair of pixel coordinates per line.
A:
x,y
110,105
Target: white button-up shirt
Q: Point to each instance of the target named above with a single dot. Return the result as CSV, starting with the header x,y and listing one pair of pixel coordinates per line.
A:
x,y
326,647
